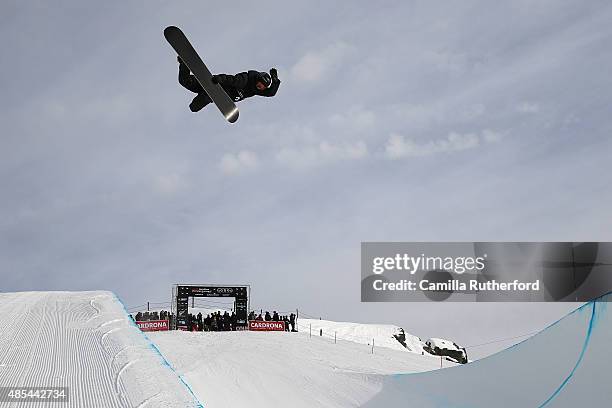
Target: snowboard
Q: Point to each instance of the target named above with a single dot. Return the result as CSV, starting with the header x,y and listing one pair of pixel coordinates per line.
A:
x,y
190,57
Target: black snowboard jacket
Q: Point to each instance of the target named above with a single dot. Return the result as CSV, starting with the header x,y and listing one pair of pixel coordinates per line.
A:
x,y
243,85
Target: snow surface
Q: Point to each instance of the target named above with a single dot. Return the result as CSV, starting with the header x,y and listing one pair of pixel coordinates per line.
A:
x,y
565,365
362,333
84,341
381,334
442,344
269,369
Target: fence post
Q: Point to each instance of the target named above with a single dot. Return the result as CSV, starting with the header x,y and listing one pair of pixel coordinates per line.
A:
x,y
372,346
321,332
147,306
311,330
440,361
334,337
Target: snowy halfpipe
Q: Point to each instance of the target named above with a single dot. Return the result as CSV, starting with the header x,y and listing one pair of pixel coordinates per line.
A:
x,y
568,364
84,341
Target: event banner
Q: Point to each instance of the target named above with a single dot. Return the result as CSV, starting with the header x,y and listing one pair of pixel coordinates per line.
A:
x,y
153,325
485,271
258,325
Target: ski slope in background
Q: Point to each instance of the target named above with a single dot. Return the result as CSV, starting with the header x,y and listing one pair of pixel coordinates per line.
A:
x,y
567,364
84,341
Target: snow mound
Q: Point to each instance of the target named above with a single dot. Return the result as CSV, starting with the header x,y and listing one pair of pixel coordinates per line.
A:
x,y
84,341
442,344
383,335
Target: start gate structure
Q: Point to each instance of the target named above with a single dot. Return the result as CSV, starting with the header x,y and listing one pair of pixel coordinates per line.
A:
x,y
182,292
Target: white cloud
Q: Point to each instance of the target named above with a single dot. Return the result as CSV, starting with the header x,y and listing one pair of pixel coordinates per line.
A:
x,y
491,136
315,65
398,146
528,107
239,162
324,152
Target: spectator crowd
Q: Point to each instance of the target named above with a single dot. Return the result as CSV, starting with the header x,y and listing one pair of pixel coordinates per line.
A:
x,y
218,321
213,322
148,316
288,320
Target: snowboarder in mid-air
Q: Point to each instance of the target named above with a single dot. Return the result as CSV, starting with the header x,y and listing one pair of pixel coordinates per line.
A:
x,y
238,87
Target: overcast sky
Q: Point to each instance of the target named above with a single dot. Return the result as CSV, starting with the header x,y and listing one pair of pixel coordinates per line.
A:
x,y
398,120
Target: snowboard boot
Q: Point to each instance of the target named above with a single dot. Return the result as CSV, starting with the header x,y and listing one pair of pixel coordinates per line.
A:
x,y
200,101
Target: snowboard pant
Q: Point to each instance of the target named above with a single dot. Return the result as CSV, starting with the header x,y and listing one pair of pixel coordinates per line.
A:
x,y
191,83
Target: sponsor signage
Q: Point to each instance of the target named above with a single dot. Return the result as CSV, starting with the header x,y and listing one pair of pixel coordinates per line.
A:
x,y
241,311
153,325
184,292
258,325
212,291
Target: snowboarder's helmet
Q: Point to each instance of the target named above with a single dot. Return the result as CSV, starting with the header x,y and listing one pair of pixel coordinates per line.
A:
x,y
265,79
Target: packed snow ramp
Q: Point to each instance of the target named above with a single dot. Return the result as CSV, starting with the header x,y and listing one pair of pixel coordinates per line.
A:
x,y
565,365
84,341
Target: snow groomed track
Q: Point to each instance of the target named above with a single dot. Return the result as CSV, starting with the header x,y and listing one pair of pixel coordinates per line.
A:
x,y
84,341
567,364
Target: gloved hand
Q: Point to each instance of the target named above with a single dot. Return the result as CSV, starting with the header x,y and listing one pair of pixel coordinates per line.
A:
x,y
214,79
274,73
